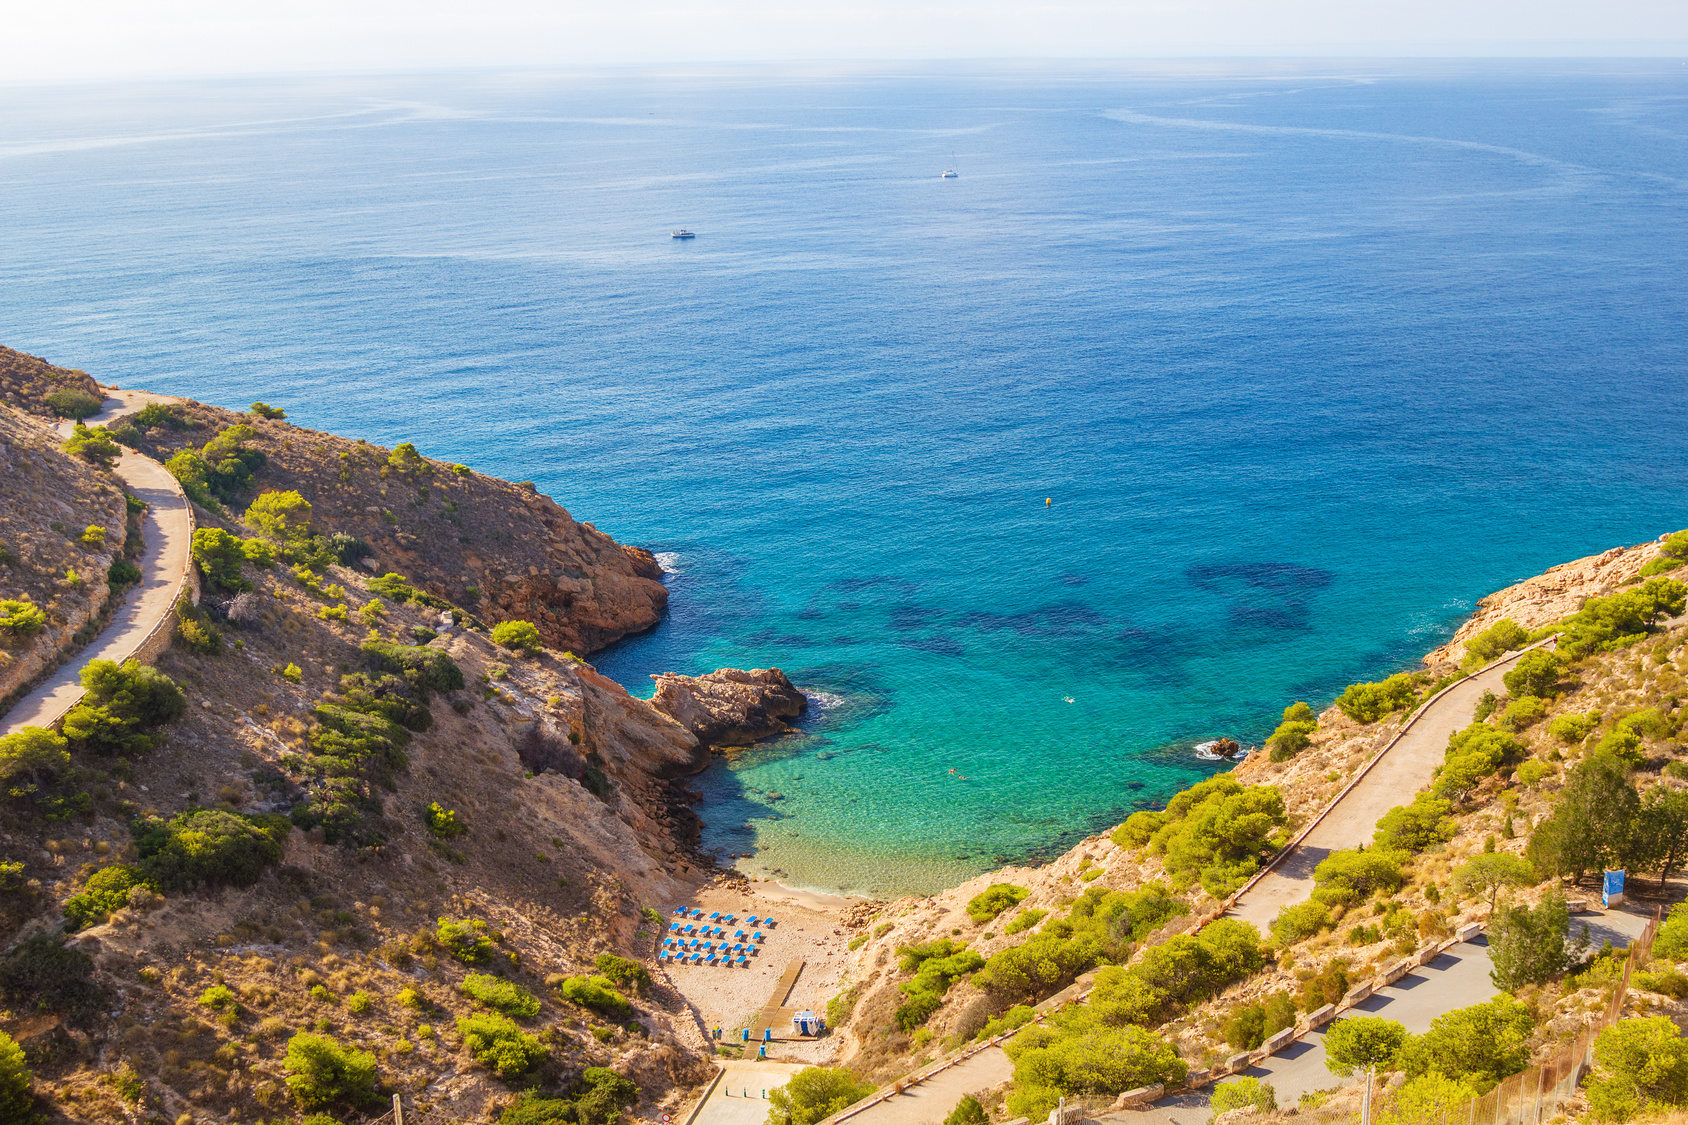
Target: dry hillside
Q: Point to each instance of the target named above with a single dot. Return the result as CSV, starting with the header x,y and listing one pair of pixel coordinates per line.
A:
x,y
26,382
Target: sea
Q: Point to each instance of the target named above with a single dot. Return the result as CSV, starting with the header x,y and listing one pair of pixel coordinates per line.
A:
x,y
1201,388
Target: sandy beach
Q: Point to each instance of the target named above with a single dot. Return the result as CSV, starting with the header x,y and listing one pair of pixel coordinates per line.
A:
x,y
808,927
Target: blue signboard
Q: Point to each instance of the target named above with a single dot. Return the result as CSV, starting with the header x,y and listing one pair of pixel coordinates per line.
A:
x,y
1612,888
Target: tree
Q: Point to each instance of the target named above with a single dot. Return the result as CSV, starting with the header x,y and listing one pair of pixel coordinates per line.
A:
x,y
123,703
517,635
1536,673
1294,733
1489,873
1360,1042
993,900
1367,703
321,1072
1662,841
498,1044
93,446
1347,878
1414,827
1428,1098
1645,1065
1502,637
1672,942
814,1093
967,1111
603,1096
34,753
211,846
1592,824
264,410
220,557
1530,946
70,402
1607,624
282,516
21,619
1480,1044
17,1099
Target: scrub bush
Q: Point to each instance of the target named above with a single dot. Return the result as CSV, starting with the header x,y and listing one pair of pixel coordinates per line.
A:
x,y
1367,703
815,1093
321,1072
209,846
624,972
517,635
20,618
1497,640
122,706
597,993
1412,828
1536,673
497,1043
1293,734
505,996
75,404
465,939
107,890
995,898
94,446
1244,1092
1349,877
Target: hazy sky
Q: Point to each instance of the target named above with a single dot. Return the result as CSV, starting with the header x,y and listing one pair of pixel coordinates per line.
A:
x,y
78,39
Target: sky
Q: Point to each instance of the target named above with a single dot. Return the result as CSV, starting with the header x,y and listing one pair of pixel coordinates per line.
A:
x,y
82,40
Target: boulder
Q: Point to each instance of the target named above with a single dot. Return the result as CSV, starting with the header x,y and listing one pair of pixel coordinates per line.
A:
x,y
731,707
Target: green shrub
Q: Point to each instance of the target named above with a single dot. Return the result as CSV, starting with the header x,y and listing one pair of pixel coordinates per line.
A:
x,y
1532,771
465,939
1644,1068
17,1097
32,755
122,704
936,966
94,446
967,1111
281,516
1523,712
264,410
1536,673
1216,831
1672,940
623,971
993,900
534,1108
210,846
1082,1055
1300,921
503,995
1666,982
1025,920
1480,1044
395,587
21,618
106,890
94,536
1293,734
443,822
1367,703
219,998
1240,1093
321,1072
1624,745
222,471
1412,828
1430,1098
517,635
220,556
1328,986
1017,1016
42,972
1348,878
360,1003
1497,640
814,1093
1591,823
1357,1042
1474,754
1610,623
71,403
122,573
597,993
497,1043
158,414
425,669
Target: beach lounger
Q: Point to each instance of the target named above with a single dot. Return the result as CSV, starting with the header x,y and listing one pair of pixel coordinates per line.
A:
x,y
715,917
769,922
757,936
680,911
743,963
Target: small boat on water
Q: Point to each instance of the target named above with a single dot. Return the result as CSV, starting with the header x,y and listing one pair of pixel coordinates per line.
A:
x,y
682,233
950,173
1220,750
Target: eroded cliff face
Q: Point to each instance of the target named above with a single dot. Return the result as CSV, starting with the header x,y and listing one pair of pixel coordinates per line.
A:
x,y
1550,596
730,707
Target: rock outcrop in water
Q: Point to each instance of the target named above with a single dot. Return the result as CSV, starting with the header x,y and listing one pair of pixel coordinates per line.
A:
x,y
731,707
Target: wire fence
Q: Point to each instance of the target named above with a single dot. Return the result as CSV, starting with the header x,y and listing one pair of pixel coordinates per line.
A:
x,y
1539,1093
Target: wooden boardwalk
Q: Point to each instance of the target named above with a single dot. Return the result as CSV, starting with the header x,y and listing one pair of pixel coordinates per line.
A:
x,y
775,1019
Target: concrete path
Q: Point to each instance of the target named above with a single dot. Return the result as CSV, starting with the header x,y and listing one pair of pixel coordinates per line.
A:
x,y
1405,770
741,1095
1458,978
929,1102
167,529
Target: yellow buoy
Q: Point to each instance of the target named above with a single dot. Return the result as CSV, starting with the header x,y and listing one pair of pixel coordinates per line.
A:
x,y
1048,500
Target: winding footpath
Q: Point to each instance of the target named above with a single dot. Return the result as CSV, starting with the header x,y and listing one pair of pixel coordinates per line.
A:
x,y
167,530
1408,766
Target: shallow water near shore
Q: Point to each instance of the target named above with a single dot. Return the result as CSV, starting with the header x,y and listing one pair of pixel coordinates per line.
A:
x,y
1199,391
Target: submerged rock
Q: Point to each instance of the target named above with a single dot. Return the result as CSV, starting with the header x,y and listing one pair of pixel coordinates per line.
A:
x,y
730,707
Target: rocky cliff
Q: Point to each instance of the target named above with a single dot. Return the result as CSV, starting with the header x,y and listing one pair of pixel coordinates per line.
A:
x,y
26,382
730,707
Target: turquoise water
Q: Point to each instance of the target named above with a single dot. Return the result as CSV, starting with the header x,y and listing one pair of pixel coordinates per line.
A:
x,y
1306,360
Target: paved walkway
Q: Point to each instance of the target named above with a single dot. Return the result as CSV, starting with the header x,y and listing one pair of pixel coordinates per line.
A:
x,y
1456,979
741,1096
929,1102
166,528
1406,769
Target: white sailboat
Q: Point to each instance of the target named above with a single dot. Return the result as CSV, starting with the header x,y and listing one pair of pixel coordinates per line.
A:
x,y
950,173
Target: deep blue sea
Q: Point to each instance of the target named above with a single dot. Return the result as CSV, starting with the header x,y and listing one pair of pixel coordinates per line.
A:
x,y
1203,387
